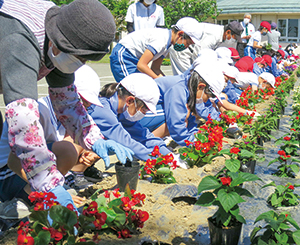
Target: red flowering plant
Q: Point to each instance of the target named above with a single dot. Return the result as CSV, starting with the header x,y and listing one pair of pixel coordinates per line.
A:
x,y
122,215
287,167
208,142
240,118
289,144
277,229
283,195
159,168
225,191
66,226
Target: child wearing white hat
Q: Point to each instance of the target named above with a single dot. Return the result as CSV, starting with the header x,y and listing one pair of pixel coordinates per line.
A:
x,y
135,51
124,104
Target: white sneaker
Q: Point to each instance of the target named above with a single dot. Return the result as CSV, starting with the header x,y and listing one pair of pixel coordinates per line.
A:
x,y
167,139
13,209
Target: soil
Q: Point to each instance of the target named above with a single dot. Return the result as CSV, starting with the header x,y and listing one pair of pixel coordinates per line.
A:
x,y
170,222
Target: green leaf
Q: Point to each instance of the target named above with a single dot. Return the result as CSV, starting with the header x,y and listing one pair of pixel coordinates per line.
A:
x,y
294,168
248,176
111,215
206,199
127,192
120,217
39,216
233,165
282,238
63,216
163,170
115,202
208,183
225,152
71,239
101,201
254,232
280,189
246,154
292,221
266,216
270,184
296,237
42,238
193,156
229,200
242,191
95,195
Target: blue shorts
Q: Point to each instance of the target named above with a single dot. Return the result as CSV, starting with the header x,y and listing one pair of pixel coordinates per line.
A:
x,y
12,186
122,62
152,121
250,51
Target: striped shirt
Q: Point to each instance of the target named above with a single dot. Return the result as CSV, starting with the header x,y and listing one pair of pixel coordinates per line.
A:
x,y
32,13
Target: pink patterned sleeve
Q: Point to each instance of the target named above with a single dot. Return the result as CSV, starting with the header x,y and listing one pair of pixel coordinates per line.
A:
x,y
72,114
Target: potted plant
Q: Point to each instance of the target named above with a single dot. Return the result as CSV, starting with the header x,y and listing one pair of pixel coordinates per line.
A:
x,y
225,191
277,229
289,144
208,142
283,196
159,169
287,167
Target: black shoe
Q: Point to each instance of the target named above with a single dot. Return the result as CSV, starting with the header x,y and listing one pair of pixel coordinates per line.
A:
x,y
234,133
93,174
80,182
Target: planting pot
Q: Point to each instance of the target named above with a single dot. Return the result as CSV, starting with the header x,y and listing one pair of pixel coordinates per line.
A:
x,y
224,235
278,123
260,142
266,139
127,174
248,167
282,110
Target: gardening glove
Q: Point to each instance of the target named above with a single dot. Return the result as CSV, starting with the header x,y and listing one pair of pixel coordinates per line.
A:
x,y
62,196
180,163
103,148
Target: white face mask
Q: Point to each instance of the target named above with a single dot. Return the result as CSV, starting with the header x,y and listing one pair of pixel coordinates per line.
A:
x,y
262,86
148,2
136,117
246,21
66,63
200,100
230,41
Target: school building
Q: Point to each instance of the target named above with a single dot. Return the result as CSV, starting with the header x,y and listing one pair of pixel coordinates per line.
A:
x,y
285,13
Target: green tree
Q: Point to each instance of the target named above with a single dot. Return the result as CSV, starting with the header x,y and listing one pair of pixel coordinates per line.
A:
x,y
198,9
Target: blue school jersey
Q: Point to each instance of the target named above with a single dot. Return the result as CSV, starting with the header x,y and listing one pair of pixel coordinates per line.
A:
x,y
115,127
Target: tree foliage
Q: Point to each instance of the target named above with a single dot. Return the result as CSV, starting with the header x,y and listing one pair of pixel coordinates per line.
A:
x,y
198,9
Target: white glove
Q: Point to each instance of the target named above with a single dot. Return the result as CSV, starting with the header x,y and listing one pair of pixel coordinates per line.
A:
x,y
180,163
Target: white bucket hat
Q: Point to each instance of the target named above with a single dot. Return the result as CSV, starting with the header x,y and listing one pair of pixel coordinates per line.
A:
x,y
230,71
269,78
191,27
88,84
144,88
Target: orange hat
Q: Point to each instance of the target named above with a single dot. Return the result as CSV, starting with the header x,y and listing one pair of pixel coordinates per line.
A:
x,y
234,53
266,24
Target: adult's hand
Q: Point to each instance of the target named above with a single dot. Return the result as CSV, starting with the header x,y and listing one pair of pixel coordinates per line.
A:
x,y
103,148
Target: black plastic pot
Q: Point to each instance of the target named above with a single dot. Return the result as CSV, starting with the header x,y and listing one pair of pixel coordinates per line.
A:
x,y
224,235
127,174
282,110
278,123
248,167
260,142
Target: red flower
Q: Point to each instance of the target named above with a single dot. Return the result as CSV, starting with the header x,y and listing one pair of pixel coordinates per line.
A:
x,y
25,240
155,151
91,210
100,220
286,215
106,194
143,215
184,154
287,138
225,180
116,193
56,234
235,150
292,129
187,142
281,153
297,118
125,233
291,187
244,136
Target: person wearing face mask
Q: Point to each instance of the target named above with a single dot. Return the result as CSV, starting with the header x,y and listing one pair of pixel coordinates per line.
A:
x,y
144,14
254,41
39,39
266,80
248,31
262,64
273,37
135,51
124,104
213,36
180,98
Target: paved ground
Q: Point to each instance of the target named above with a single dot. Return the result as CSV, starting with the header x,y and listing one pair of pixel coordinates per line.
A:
x,y
103,71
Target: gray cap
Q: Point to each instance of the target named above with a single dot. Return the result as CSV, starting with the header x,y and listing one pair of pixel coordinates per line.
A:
x,y
83,27
236,29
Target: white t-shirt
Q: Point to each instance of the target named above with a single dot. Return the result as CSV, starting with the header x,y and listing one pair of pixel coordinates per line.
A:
x,y
255,37
157,40
245,79
145,17
251,30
